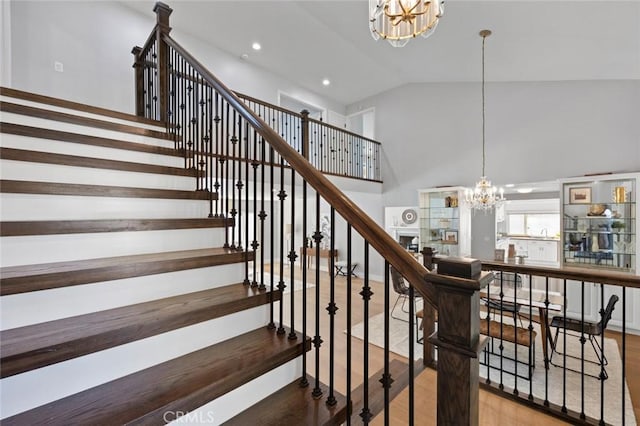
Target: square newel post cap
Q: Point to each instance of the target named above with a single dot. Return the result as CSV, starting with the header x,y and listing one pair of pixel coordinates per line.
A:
x,y
461,272
162,12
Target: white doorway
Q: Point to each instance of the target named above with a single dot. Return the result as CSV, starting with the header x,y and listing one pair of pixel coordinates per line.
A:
x,y
296,105
363,123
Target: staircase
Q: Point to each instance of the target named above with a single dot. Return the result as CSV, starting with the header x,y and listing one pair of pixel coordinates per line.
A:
x,y
122,301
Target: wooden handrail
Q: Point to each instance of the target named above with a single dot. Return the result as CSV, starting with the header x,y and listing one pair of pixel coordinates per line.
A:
x,y
599,276
331,126
311,120
267,104
568,273
377,237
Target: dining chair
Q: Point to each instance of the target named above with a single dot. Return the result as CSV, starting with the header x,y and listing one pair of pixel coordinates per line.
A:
x,y
402,290
507,280
582,328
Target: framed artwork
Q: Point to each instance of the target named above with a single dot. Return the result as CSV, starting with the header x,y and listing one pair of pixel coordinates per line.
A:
x,y
451,237
499,255
580,195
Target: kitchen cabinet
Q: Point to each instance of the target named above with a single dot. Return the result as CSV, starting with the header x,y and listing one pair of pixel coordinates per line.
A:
x,y
535,250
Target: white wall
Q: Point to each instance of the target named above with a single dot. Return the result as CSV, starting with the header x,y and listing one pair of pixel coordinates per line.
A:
x,y
5,33
93,40
535,131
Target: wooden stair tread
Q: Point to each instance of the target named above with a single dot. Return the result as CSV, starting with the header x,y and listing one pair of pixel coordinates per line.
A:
x,y
54,188
399,371
181,384
92,162
293,405
58,135
34,346
34,97
82,121
25,278
52,227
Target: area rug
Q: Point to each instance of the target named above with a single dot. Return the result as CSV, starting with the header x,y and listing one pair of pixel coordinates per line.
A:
x,y
399,344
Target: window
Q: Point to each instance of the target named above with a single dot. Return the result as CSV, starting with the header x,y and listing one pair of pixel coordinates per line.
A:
x,y
534,224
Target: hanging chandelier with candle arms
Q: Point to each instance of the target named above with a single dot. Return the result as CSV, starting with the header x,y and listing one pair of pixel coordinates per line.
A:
x,y
398,21
484,196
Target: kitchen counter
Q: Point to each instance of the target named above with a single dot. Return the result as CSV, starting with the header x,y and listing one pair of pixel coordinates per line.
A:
x,y
529,238
535,249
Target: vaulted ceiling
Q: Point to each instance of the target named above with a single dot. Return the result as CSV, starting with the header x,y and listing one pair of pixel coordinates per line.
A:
x,y
307,41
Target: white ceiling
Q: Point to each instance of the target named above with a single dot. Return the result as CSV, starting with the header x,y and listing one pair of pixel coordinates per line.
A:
x,y
306,41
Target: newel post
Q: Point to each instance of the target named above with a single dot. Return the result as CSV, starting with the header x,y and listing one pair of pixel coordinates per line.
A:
x,y
305,133
162,28
458,338
139,80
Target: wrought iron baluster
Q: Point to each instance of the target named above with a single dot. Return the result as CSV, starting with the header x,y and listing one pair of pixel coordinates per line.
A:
x,y
332,308
602,357
545,343
386,379
237,159
263,214
217,160
624,353
366,294
292,253
304,382
412,321
317,340
282,195
271,232
515,329
254,244
564,345
582,342
349,313
189,119
232,191
183,110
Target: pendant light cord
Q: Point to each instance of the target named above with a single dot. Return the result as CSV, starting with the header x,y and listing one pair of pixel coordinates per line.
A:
x,y
483,130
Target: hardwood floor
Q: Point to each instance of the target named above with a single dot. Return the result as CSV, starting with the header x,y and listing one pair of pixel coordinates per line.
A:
x,y
493,408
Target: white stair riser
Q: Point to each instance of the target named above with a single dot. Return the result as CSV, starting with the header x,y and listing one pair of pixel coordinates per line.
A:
x,y
79,113
39,172
57,207
23,309
27,250
7,117
82,150
229,405
25,391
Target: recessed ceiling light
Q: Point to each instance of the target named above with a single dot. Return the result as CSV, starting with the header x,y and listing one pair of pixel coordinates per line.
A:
x,y
244,56
509,185
524,190
326,82
256,46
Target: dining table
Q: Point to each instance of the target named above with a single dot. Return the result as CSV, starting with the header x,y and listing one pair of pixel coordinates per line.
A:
x,y
530,299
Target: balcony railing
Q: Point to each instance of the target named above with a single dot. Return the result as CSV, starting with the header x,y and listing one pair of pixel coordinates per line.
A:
x,y
558,339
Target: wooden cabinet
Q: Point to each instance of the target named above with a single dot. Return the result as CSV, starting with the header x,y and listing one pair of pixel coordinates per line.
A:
x,y
445,221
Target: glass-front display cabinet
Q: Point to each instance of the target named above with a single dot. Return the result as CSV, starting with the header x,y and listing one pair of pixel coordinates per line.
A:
x,y
599,222
445,221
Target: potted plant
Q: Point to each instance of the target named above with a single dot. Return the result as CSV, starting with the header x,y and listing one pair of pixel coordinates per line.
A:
x,y
617,225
